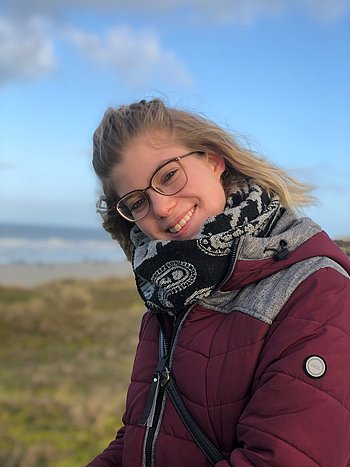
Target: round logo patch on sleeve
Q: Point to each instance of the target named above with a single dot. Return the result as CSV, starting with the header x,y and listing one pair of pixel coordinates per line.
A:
x,y
315,366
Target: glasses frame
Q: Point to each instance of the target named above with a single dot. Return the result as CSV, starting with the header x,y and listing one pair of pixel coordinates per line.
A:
x,y
116,205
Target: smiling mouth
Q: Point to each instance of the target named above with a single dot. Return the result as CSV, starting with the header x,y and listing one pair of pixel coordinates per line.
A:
x,y
177,227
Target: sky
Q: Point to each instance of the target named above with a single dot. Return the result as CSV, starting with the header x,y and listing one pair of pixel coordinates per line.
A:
x,y
274,72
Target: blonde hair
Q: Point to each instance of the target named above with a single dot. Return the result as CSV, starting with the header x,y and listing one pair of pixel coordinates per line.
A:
x,y
119,126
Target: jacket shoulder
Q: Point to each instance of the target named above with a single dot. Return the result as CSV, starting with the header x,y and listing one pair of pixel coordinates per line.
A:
x,y
266,298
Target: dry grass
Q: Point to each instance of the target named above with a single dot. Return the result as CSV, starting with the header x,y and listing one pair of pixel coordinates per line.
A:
x,y
66,354
344,245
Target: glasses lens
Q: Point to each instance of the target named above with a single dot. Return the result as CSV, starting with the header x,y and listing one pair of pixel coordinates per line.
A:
x,y
134,206
170,178
101,205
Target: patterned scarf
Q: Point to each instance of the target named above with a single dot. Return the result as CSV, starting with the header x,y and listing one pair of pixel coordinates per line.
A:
x,y
172,274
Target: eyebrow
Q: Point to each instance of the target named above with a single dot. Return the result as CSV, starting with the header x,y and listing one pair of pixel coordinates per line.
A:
x,y
174,158
165,161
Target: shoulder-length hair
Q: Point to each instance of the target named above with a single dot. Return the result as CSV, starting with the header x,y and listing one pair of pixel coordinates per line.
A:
x,y
119,126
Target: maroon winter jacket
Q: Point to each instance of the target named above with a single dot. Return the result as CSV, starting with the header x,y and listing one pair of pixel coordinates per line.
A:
x,y
263,365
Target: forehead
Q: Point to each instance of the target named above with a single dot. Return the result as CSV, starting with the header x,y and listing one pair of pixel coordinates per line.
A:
x,y
141,157
152,140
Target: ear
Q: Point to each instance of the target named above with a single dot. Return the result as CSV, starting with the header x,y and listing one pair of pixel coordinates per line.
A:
x,y
217,163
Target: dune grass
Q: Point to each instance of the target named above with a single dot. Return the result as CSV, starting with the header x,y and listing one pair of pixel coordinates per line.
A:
x,y
344,245
66,351
65,356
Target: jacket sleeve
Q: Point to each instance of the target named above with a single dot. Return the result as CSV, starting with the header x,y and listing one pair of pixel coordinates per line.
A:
x,y
292,418
112,455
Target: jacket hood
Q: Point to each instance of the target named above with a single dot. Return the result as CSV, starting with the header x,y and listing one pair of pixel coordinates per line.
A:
x,y
292,240
269,269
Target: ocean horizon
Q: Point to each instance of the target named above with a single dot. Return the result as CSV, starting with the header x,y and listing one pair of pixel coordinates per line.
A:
x,y
44,244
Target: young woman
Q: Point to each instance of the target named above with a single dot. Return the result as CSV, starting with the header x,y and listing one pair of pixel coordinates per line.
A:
x,y
244,352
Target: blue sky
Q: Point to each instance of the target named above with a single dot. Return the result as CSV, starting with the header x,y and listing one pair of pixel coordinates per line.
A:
x,y
274,71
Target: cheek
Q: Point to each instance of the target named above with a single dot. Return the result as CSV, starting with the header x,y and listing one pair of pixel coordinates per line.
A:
x,y
216,197
221,203
146,227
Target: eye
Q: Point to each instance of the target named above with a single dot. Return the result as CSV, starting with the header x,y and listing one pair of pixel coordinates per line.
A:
x,y
170,176
137,204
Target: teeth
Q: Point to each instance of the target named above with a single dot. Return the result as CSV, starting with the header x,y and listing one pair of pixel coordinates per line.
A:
x,y
177,227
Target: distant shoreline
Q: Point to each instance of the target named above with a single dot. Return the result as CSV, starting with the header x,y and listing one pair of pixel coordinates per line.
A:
x,y
31,275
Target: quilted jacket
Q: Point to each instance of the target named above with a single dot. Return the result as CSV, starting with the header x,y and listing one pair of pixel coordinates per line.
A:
x,y
263,365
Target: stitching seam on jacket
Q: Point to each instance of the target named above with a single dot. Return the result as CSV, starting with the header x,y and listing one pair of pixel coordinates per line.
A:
x,y
280,439
217,441
209,407
308,384
225,352
327,324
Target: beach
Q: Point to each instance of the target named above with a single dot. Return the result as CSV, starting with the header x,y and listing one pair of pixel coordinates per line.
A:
x,y
31,275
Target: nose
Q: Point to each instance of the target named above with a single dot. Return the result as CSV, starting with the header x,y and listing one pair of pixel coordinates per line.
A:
x,y
161,205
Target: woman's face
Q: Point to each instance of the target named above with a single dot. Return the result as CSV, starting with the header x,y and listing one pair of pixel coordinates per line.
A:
x,y
180,216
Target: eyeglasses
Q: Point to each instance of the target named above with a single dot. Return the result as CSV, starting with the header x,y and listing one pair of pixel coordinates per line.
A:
x,y
168,179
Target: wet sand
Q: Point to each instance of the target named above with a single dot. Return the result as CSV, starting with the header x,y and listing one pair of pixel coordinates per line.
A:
x,y
30,275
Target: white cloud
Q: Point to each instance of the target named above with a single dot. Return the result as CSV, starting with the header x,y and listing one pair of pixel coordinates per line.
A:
x,y
250,11
137,57
237,11
327,10
26,51
4,166
226,11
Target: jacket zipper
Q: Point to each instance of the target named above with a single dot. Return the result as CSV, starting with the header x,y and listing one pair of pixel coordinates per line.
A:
x,y
232,263
155,398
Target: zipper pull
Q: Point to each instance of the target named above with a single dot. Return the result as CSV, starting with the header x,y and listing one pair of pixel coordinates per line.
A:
x,y
281,252
148,414
160,378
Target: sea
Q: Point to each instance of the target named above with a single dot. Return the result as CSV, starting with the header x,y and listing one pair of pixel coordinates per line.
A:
x,y
34,244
